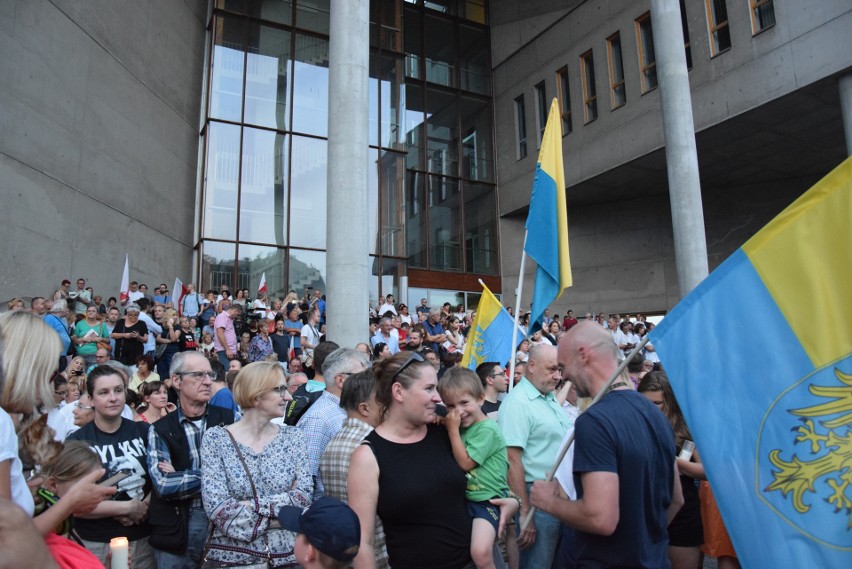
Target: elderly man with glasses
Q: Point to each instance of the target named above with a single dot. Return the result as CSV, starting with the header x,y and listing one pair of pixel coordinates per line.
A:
x,y
176,514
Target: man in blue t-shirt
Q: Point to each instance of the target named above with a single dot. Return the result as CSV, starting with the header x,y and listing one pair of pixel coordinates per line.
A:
x,y
624,463
435,335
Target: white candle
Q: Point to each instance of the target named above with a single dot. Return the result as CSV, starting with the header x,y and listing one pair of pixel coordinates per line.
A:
x,y
120,551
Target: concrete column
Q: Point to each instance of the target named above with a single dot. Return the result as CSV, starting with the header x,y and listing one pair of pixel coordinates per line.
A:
x,y
347,260
845,86
681,156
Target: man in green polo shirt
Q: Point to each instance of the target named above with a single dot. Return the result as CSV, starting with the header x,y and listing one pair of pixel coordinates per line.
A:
x,y
533,424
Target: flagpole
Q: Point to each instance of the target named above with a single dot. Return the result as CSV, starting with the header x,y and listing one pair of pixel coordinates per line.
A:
x,y
564,450
520,291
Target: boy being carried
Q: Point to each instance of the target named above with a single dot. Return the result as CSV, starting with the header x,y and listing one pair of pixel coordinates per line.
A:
x,y
479,449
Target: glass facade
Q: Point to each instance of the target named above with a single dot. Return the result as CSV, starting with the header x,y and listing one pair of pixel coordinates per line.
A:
x,y
431,194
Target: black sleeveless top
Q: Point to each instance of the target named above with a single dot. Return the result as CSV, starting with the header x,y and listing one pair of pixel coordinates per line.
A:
x,y
422,503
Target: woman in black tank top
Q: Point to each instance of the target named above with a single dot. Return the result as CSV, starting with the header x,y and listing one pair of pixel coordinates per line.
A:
x,y
405,473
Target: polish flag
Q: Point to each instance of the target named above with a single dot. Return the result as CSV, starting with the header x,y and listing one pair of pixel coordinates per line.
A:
x,y
291,353
262,287
125,281
178,292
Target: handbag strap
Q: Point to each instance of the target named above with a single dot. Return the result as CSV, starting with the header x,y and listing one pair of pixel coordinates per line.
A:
x,y
243,461
253,489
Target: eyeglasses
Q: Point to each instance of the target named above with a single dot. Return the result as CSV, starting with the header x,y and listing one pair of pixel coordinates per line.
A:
x,y
280,390
412,358
496,373
85,407
199,375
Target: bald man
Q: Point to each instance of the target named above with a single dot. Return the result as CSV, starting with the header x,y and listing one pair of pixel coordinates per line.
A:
x,y
533,424
624,463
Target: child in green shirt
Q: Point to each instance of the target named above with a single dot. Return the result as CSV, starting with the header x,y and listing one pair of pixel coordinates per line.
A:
x,y
479,449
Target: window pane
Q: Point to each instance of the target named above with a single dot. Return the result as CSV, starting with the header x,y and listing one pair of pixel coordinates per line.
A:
x,y
220,180
308,192
415,219
473,10
413,43
263,194
310,81
388,273
477,163
279,11
307,268
521,127
442,132
312,15
373,167
474,66
541,110
480,222
373,98
393,210
254,262
414,107
217,265
226,84
391,36
444,224
267,76
393,101
443,6
440,50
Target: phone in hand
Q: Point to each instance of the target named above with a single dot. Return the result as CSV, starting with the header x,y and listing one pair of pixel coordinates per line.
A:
x,y
115,478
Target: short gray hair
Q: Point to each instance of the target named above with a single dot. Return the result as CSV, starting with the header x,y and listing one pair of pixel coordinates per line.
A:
x,y
434,310
339,361
132,308
58,306
179,361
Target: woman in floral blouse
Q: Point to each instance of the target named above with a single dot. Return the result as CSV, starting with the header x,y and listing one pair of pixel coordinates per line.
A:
x,y
254,453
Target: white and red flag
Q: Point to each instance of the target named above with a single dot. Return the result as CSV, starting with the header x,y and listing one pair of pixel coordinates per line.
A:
x,y
125,281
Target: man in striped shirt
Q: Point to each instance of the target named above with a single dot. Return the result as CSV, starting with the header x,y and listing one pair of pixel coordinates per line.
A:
x,y
363,414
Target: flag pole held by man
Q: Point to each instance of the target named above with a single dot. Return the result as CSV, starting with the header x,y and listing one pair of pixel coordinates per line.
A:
x,y
768,395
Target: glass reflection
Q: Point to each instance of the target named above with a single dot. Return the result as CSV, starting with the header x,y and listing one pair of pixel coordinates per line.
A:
x,y
226,67
477,162
415,219
217,265
263,193
307,269
442,132
272,10
414,107
255,261
473,64
373,98
308,192
373,168
220,181
310,83
444,224
393,101
312,15
267,73
440,50
393,210
412,39
480,222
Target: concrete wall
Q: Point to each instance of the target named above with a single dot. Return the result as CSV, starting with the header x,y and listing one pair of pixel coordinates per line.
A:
x,y
622,250
99,119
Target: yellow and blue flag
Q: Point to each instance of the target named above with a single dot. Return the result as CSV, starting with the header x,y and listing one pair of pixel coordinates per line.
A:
x,y
760,358
547,221
490,338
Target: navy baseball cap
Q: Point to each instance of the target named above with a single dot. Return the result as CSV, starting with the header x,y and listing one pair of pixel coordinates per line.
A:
x,y
330,525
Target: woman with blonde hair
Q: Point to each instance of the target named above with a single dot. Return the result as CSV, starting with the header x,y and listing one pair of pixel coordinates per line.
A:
x,y
29,350
250,470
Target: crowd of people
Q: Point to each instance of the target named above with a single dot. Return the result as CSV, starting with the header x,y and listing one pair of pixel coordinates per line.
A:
x,y
220,431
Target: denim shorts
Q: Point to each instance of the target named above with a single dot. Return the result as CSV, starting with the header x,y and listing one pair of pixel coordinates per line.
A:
x,y
484,511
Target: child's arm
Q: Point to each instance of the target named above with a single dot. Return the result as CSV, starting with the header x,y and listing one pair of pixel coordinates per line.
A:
x,y
452,422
